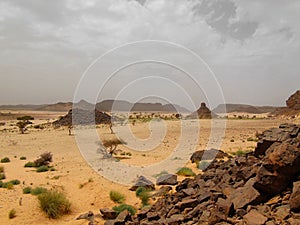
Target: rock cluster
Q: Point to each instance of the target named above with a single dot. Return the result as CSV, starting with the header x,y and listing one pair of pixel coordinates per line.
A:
x,y
261,187
294,101
83,117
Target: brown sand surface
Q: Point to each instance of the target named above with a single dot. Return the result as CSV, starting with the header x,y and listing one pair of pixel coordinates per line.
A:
x,y
83,186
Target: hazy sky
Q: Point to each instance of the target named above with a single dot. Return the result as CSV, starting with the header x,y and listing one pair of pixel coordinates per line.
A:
x,y
253,48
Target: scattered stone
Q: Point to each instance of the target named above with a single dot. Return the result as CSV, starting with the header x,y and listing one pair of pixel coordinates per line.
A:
x,y
167,179
255,218
108,214
143,182
295,197
86,216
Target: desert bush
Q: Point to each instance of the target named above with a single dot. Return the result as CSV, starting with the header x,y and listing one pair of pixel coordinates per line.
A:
x,y
54,204
25,118
2,176
30,164
38,191
8,185
143,194
15,182
122,207
252,139
164,172
12,214
23,158
44,159
184,171
5,160
1,169
112,144
27,190
42,169
116,197
240,152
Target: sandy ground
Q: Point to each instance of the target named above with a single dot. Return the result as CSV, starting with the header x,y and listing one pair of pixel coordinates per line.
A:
x,y
83,186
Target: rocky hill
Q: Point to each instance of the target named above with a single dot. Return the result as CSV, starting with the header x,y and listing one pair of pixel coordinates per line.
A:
x,y
83,117
261,187
229,108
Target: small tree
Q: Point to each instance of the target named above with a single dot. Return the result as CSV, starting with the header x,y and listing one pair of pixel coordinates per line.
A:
x,y
23,122
22,126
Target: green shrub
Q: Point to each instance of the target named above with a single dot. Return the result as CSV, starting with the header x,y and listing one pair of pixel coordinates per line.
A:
x,y
38,191
184,171
8,186
122,207
42,169
12,214
240,152
2,176
23,158
25,118
143,194
30,164
27,190
252,139
15,182
54,204
116,196
1,169
5,160
164,172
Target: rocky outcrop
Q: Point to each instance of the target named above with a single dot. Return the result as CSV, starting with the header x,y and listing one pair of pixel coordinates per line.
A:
x,y
294,101
258,188
83,117
143,182
202,113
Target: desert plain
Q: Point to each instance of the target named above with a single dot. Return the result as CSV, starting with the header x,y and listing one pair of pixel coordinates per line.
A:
x,y
86,189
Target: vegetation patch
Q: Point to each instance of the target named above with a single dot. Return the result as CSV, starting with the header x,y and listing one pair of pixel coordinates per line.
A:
x,y
143,194
122,207
12,214
116,196
38,191
54,204
5,160
185,171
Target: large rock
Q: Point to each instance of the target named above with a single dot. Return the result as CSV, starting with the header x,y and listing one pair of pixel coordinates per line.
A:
x,y
208,155
281,164
143,182
295,197
294,101
286,133
167,179
108,214
245,195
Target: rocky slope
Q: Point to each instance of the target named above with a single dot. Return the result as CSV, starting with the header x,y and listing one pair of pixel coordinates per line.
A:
x,y
262,187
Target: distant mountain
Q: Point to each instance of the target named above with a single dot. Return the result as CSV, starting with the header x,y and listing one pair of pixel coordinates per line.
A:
x,y
229,108
105,106
125,106
58,107
21,107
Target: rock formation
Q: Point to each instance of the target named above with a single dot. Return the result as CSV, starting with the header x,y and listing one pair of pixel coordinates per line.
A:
x,y
202,113
261,187
294,101
83,117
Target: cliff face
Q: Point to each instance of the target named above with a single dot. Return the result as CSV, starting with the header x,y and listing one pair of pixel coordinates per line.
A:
x,y
294,101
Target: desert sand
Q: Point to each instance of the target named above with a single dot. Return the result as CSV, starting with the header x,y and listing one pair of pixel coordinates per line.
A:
x,y
85,188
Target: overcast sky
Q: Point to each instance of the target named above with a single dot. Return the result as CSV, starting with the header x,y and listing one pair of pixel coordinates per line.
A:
x,y
252,47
